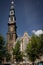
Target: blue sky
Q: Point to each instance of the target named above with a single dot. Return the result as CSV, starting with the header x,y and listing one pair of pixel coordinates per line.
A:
x,y
29,16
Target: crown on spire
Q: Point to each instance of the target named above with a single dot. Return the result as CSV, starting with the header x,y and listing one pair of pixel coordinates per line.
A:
x,y
12,17
12,2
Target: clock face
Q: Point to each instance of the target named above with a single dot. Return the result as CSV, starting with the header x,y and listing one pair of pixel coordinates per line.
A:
x,y
12,12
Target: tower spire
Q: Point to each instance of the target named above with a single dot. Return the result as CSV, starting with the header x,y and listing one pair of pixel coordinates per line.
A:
x,y
12,2
11,34
12,17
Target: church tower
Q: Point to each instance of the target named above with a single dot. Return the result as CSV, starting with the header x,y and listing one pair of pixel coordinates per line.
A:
x,y
11,34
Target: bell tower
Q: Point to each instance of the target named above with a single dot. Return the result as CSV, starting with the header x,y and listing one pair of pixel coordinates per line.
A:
x,y
11,34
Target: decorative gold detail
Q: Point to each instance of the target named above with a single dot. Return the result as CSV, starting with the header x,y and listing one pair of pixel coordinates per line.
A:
x,y
12,2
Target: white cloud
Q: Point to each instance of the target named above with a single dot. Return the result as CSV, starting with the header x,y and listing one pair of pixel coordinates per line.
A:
x,y
38,32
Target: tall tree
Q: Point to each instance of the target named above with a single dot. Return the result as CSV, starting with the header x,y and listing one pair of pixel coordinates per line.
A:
x,y
2,48
33,48
41,44
17,52
8,56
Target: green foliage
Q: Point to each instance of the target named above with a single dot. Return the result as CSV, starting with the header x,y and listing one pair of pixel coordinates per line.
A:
x,y
2,48
33,48
16,52
8,56
17,47
41,44
3,51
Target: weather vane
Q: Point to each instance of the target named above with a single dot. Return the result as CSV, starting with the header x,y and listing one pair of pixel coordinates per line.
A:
x,y
12,2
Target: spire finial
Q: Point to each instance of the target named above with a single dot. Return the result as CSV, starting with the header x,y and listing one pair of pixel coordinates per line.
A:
x,y
12,2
